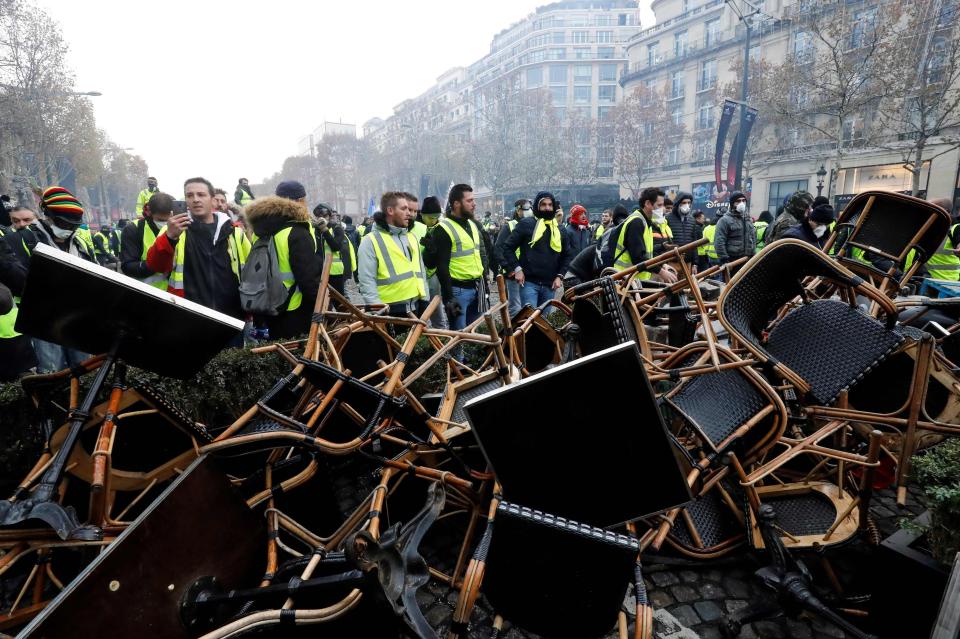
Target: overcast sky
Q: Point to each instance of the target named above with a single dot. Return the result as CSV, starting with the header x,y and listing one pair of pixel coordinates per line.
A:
x,y
226,88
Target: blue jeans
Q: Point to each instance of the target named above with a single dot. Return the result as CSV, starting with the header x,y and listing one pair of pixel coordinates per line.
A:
x,y
53,357
513,297
535,294
468,305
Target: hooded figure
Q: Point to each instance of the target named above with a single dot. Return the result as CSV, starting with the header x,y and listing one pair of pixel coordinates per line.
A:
x,y
735,236
682,225
544,252
815,228
288,223
795,208
579,229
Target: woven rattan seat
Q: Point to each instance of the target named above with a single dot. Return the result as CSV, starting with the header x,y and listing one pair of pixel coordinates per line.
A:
x,y
713,520
459,415
809,513
698,397
830,345
259,426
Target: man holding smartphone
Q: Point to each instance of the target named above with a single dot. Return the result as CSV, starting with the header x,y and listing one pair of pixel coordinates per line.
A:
x,y
204,263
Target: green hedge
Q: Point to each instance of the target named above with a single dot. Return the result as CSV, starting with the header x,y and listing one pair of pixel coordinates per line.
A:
x,y
938,473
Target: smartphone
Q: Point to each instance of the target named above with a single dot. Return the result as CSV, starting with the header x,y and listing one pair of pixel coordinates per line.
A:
x,y
179,207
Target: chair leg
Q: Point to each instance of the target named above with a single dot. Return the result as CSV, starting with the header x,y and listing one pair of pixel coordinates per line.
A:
x,y
918,392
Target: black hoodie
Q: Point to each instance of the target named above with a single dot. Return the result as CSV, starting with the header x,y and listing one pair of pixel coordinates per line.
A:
x,y
540,263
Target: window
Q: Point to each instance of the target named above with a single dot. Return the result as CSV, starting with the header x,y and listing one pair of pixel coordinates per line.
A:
x,y
605,53
607,93
649,88
780,190
557,37
534,77
622,19
560,113
711,31
648,129
581,53
537,56
708,75
937,60
653,56
582,73
558,96
673,154
676,85
680,43
558,74
579,21
863,28
676,114
582,112
557,54
852,130
581,95
603,20
603,113
605,37
608,73
581,37
703,150
705,117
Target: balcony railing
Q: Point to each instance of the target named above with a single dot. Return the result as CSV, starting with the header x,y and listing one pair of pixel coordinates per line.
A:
x,y
704,8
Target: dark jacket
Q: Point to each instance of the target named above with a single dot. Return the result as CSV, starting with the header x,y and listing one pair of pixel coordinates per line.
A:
x,y
735,237
580,237
16,353
351,232
633,241
780,226
439,254
685,230
38,233
268,216
540,263
498,244
131,249
803,232
208,278
335,240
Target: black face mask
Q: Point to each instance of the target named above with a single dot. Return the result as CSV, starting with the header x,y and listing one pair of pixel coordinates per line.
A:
x,y
545,215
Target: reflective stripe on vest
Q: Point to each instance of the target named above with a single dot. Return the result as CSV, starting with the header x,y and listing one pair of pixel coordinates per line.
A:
x,y
944,265
238,248
512,224
245,198
419,230
623,258
465,263
399,277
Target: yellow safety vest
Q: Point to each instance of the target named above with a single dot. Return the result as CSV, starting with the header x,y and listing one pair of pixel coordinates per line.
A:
x,y
9,319
336,260
600,231
465,262
711,251
624,259
419,230
399,277
238,247
142,198
760,228
105,240
245,198
512,224
281,239
86,238
944,265
157,280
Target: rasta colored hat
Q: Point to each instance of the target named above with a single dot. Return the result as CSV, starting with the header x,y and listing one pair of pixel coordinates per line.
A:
x,y
59,202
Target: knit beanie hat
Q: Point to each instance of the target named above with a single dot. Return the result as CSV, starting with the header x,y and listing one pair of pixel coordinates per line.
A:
x,y
430,206
822,214
59,202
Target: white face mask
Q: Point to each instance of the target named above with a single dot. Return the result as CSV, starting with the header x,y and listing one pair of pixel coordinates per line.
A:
x,y
160,223
820,230
741,207
62,234
684,208
658,213
527,212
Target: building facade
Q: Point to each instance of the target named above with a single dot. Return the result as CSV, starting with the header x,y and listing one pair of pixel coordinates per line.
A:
x,y
694,53
575,50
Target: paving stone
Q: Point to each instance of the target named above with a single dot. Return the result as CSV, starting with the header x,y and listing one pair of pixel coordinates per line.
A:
x,y
708,610
733,605
768,629
437,615
689,576
749,633
736,588
710,590
708,632
684,594
797,629
827,629
664,578
686,615
660,599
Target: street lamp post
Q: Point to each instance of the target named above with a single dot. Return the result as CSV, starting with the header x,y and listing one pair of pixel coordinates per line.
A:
x,y
821,173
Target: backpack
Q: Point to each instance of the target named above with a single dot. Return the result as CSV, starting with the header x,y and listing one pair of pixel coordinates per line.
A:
x,y
261,284
606,255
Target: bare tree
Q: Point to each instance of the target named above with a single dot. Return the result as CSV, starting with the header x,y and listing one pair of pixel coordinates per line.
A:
x,y
494,154
578,138
835,77
643,132
923,108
